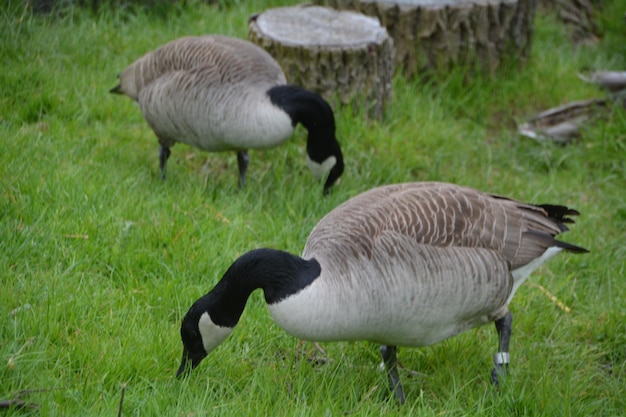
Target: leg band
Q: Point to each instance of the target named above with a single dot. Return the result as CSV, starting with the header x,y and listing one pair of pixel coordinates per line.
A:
x,y
501,358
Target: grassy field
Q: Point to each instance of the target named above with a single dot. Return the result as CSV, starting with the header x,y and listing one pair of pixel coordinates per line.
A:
x,y
100,259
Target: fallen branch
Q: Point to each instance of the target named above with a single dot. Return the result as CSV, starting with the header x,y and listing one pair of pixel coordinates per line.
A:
x,y
562,124
17,404
552,297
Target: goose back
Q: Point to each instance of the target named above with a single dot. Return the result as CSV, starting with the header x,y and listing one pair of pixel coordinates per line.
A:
x,y
244,61
441,215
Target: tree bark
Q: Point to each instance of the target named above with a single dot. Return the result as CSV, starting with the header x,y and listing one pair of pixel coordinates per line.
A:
x,y
579,17
438,35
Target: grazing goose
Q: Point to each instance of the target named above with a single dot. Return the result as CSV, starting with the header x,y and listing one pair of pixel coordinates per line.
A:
x,y
224,94
400,265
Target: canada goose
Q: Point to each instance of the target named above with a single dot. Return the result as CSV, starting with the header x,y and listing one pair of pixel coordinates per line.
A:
x,y
400,265
225,94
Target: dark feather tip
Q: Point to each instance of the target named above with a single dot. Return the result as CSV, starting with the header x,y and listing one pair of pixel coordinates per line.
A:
x,y
559,213
117,89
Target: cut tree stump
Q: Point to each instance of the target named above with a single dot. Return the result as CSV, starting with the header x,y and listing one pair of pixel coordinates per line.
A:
x,y
438,35
341,55
579,17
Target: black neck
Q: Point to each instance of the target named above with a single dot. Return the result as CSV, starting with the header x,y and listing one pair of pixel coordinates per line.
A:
x,y
278,273
316,115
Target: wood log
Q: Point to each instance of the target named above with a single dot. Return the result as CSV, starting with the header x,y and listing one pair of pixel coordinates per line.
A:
x,y
564,123
438,35
344,56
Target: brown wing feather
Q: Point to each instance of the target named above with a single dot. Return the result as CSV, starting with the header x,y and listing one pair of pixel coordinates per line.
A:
x,y
240,60
441,215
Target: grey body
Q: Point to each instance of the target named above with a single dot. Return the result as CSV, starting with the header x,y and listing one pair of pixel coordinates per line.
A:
x,y
400,265
192,90
413,264
211,92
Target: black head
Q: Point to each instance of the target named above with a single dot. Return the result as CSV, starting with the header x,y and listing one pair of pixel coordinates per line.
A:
x,y
332,160
201,333
193,347
316,115
213,317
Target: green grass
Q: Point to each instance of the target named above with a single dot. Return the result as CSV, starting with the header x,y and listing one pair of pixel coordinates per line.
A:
x,y
100,259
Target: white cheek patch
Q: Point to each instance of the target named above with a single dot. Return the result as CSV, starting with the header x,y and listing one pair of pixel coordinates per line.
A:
x,y
318,170
212,334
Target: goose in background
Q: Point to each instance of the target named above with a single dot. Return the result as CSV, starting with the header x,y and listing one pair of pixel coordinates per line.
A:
x,y
218,93
400,265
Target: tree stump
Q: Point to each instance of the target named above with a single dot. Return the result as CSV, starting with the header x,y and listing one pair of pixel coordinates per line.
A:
x,y
579,17
437,35
341,55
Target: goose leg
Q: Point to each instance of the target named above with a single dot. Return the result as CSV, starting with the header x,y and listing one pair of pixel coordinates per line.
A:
x,y
164,154
242,160
501,358
391,365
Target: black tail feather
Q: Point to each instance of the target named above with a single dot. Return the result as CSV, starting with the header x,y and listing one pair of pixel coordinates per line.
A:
x,y
559,213
546,240
571,248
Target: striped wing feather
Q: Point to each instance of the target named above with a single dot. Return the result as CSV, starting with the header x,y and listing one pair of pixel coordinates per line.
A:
x,y
441,215
238,60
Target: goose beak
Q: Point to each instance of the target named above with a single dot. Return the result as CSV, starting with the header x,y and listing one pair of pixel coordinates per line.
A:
x,y
184,369
187,364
